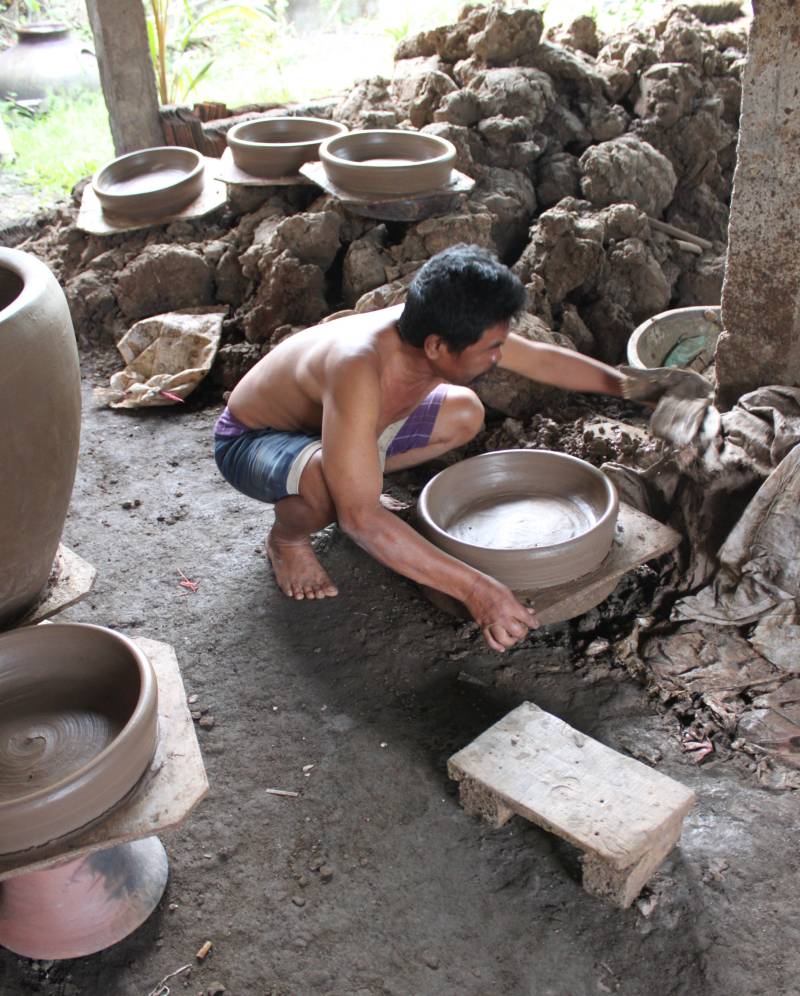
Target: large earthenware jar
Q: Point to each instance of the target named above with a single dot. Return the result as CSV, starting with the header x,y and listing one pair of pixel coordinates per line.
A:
x,y
40,408
46,58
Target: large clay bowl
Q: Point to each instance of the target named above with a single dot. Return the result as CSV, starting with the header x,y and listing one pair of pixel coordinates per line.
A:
x,y
387,162
529,518
655,341
150,183
279,146
78,728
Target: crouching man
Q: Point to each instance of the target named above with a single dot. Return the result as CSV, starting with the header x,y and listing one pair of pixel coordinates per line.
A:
x,y
313,426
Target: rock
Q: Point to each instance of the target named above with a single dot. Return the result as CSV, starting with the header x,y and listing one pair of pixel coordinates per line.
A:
x,y
463,139
717,11
232,284
703,284
634,279
509,393
364,266
574,74
506,35
557,176
232,363
290,293
461,107
611,325
92,305
627,169
581,34
207,722
576,330
418,97
384,297
311,237
358,108
430,236
326,873
509,198
513,92
565,250
666,93
164,278
215,989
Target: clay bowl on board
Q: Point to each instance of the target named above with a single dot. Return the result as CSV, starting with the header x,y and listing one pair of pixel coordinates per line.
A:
x,y
150,183
279,146
529,518
387,162
78,728
676,338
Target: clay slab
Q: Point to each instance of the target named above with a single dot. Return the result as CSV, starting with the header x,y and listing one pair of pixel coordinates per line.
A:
x,y
394,207
171,788
92,219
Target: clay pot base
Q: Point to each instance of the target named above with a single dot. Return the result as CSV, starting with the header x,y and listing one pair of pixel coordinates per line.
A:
x,y
394,207
84,905
93,220
233,175
637,539
71,580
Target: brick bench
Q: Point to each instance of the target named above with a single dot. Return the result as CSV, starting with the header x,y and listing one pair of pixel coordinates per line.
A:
x,y
624,816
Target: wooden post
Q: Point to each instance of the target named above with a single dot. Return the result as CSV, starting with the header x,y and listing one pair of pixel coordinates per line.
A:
x,y
126,73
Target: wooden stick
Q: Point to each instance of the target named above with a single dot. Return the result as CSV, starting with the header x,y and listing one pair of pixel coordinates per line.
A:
x,y
679,233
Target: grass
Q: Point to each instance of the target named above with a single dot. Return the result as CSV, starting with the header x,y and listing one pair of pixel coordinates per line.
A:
x,y
69,141
61,146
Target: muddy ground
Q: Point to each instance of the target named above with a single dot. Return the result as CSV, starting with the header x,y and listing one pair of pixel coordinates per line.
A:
x,y
373,881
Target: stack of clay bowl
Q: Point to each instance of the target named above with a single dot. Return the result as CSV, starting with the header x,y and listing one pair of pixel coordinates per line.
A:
x,y
150,183
78,729
277,147
530,518
382,162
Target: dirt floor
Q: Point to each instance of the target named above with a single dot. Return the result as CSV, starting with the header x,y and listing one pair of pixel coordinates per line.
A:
x,y
373,881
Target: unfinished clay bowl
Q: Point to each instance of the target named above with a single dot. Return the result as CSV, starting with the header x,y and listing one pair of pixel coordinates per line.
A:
x,y
78,728
529,518
387,162
150,183
40,410
682,337
279,146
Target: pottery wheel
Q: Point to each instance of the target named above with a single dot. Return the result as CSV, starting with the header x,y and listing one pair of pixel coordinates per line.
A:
x,y
522,523
39,749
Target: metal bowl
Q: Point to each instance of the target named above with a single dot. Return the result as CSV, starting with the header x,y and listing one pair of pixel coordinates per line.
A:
x,y
530,518
279,146
676,338
388,162
78,728
150,183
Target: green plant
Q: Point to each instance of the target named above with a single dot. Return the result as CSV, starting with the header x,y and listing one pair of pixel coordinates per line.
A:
x,y
175,33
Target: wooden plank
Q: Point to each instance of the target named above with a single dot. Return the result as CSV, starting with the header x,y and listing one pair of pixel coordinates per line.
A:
x,y
170,789
71,580
603,802
229,172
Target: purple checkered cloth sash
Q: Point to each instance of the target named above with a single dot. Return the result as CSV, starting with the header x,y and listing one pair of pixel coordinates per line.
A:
x,y
417,428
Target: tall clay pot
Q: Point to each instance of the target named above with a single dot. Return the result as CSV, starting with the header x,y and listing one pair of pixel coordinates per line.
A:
x,y
40,410
44,59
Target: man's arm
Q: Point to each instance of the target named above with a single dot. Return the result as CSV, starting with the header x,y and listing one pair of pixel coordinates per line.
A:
x,y
560,367
353,474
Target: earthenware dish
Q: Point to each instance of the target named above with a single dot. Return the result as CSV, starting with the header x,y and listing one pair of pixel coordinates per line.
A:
x,y
78,728
690,331
381,161
279,146
150,183
529,518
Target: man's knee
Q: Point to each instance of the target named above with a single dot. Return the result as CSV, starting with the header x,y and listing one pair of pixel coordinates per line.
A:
x,y
465,415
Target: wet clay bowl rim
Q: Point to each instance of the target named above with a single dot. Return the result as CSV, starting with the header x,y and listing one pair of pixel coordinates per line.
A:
x,y
651,342
278,146
39,656
345,160
521,473
165,199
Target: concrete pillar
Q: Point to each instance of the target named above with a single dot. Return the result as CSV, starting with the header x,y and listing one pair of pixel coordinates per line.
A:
x,y
126,73
761,293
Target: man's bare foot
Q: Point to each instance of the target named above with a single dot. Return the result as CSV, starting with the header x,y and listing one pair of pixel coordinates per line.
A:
x,y
298,572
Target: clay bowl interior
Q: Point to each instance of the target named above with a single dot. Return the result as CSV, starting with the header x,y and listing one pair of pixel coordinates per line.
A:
x,y
382,161
529,518
78,728
660,340
279,146
150,182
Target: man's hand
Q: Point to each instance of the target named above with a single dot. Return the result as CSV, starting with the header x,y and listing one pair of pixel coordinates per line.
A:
x,y
503,620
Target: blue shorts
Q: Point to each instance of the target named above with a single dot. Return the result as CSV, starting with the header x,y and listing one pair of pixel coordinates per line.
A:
x,y
267,464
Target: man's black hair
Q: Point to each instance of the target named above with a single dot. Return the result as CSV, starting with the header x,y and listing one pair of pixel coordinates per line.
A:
x,y
459,294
